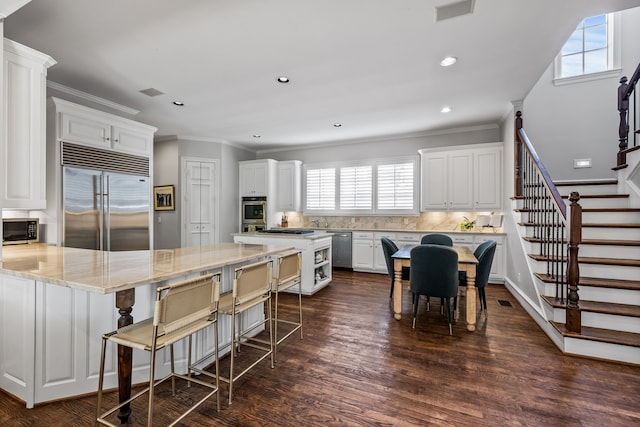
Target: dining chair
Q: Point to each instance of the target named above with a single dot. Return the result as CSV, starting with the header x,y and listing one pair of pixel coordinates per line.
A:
x,y
484,253
251,287
181,309
389,248
434,273
436,239
288,274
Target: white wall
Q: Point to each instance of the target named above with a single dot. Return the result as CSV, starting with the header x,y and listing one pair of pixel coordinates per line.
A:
x,y
386,147
580,120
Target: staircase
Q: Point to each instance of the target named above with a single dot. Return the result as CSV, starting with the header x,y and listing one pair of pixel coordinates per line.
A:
x,y
609,267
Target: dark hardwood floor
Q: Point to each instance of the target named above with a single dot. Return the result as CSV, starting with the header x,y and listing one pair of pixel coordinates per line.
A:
x,y
358,367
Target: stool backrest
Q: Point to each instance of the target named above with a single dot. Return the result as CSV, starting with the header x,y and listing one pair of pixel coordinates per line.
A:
x,y
289,267
252,281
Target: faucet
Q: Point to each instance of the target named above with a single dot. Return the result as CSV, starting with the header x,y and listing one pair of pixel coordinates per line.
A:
x,y
316,222
326,224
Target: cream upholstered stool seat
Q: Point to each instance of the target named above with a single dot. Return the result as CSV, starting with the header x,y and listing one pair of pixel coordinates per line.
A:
x,y
251,287
181,309
288,268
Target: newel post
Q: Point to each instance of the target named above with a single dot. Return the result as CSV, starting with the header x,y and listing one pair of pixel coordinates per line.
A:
x,y
573,315
623,129
518,156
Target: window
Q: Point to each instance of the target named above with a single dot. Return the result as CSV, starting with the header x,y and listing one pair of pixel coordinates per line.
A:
x,y
592,51
364,188
321,189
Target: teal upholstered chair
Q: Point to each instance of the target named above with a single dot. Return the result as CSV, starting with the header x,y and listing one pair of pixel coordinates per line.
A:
x,y
436,239
389,248
434,273
484,254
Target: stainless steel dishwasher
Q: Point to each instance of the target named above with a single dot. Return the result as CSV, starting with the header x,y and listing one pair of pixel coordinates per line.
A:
x,y
341,248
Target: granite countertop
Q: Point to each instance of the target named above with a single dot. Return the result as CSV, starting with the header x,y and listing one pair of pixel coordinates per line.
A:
x,y
317,234
329,230
106,272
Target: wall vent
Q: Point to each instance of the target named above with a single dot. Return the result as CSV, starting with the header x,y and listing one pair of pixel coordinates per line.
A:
x,y
151,92
81,156
454,9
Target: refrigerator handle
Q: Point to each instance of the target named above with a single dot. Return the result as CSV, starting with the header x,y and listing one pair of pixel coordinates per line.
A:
x,y
99,209
107,216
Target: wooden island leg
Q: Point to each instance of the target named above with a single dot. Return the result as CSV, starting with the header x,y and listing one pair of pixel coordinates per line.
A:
x,y
124,304
397,289
471,297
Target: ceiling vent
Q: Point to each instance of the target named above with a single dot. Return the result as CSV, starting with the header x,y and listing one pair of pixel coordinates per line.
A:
x,y
454,9
152,92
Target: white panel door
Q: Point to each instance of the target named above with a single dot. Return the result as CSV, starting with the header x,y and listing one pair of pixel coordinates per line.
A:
x,y
199,218
434,182
488,179
460,181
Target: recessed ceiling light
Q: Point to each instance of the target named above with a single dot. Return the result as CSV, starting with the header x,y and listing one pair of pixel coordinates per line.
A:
x,y
178,103
448,61
256,136
283,79
445,110
337,125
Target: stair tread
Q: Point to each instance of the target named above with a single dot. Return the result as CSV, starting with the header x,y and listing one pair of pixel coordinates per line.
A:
x,y
599,307
589,225
597,281
608,242
612,181
601,196
590,210
594,260
601,335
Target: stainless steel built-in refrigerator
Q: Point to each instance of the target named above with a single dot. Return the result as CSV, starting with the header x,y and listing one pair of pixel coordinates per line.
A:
x,y
105,210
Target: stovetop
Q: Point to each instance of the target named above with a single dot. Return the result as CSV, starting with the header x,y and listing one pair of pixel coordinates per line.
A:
x,y
286,231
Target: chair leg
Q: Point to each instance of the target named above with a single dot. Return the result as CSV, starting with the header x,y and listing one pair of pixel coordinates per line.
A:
x,y
173,370
483,298
101,377
217,363
416,301
274,339
189,360
271,334
300,305
448,302
151,386
392,283
233,352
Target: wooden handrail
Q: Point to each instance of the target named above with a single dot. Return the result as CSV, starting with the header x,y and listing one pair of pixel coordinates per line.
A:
x,y
548,183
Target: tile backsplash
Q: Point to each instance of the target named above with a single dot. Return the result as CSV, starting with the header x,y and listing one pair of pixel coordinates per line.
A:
x,y
444,221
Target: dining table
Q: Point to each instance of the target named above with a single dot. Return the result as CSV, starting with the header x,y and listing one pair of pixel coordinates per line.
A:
x,y
467,262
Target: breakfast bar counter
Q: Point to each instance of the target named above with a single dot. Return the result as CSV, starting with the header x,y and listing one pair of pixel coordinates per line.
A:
x,y
56,302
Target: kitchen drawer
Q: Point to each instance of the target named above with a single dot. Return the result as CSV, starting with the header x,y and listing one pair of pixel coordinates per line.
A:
x,y
409,237
362,235
379,235
462,239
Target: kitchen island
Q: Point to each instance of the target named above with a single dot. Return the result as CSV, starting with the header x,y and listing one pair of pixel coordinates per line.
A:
x,y
314,245
56,302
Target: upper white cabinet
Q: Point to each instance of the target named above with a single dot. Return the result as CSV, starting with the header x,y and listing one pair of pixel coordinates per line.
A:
x,y
462,178
83,125
23,144
256,177
289,186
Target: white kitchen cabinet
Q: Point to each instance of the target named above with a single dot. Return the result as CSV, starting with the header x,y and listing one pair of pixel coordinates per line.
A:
x,y
362,253
23,144
289,186
316,256
257,178
83,125
498,267
463,178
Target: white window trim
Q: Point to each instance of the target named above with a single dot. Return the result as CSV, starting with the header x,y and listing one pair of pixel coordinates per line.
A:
x,y
361,212
614,59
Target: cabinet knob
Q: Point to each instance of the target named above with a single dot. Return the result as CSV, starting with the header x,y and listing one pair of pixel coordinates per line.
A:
x,y
116,141
106,138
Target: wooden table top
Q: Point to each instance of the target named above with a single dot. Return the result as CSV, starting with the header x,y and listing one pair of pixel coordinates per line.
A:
x,y
107,272
465,256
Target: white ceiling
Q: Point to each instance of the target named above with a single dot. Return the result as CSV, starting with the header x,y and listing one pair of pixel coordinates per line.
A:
x,y
371,65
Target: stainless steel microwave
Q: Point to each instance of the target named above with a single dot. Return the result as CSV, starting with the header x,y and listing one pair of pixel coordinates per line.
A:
x,y
19,230
254,210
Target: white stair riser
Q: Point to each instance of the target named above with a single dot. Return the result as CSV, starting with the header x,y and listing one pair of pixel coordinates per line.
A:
x,y
593,293
610,217
600,350
596,251
602,202
588,189
602,321
609,271
597,270
606,251
611,233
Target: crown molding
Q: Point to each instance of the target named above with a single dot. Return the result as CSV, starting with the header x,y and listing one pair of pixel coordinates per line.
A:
x,y
92,98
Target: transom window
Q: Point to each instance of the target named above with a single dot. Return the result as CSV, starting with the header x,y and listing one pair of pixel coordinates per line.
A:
x,y
589,50
364,188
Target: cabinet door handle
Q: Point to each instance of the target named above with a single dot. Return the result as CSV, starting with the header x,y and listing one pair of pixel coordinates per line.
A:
x,y
107,138
116,141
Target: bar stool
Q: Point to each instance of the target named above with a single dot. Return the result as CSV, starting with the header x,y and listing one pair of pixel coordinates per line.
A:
x,y
289,266
251,286
181,309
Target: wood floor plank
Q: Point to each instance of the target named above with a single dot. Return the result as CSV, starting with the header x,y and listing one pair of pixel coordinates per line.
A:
x,y
357,366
